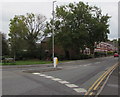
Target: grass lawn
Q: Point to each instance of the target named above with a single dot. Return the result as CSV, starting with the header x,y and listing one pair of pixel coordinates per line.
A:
x,y
30,62
27,62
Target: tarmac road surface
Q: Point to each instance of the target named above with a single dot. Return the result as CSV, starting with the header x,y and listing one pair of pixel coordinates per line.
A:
x,y
71,78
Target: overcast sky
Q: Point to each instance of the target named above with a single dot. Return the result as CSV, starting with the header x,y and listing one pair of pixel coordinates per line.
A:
x,y
12,8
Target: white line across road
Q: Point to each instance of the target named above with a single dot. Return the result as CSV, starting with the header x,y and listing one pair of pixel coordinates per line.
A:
x,y
71,85
63,82
42,75
56,79
81,90
36,73
49,77
97,62
66,83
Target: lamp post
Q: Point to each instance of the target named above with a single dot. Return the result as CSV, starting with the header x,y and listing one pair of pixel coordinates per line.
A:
x,y
53,13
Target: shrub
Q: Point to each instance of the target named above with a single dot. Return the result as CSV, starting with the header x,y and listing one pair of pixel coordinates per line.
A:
x,y
110,53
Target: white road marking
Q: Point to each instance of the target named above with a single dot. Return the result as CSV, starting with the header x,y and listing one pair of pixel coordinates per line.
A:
x,y
42,75
63,82
49,77
56,79
72,67
71,85
97,62
86,64
68,62
80,90
36,73
113,85
107,68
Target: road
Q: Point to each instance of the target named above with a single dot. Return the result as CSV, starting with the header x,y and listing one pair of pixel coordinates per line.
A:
x,y
112,87
71,78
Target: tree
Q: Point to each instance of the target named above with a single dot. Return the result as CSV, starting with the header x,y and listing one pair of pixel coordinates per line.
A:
x,y
5,48
98,28
78,25
25,31
119,45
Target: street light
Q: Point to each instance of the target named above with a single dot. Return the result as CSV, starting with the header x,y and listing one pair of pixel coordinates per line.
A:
x,y
53,13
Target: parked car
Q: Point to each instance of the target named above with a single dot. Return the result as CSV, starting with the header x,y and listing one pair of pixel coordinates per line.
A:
x,y
8,60
116,55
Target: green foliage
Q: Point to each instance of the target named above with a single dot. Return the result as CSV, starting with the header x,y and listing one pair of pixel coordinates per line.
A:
x,y
25,31
78,25
8,64
100,54
110,53
5,48
84,56
119,45
28,62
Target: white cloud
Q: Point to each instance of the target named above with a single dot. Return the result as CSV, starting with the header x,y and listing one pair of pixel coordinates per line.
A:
x,y
58,0
12,8
112,9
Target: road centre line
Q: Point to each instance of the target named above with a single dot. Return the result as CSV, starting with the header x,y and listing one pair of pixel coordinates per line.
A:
x,y
66,83
68,62
86,64
89,64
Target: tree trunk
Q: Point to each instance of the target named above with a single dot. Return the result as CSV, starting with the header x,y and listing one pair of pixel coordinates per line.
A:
x,y
92,51
67,54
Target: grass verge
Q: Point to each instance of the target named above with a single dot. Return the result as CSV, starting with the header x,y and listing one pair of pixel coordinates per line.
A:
x,y
27,62
30,62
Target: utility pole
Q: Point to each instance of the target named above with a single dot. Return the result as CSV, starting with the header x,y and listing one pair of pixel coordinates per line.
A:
x,y
53,13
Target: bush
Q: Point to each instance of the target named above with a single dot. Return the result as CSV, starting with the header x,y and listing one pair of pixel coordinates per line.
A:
x,y
60,57
81,56
110,53
8,61
100,54
84,56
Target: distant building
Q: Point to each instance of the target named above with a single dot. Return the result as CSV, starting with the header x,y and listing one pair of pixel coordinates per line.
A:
x,y
102,47
105,47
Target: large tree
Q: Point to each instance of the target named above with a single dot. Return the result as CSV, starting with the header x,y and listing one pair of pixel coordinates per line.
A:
x,y
78,25
25,31
4,44
119,45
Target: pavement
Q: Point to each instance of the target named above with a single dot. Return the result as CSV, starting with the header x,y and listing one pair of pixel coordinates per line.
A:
x,y
70,78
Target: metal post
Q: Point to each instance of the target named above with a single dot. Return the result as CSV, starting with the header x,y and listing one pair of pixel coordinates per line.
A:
x,y
53,13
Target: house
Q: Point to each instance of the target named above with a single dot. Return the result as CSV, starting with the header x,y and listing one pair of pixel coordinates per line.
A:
x,y
102,47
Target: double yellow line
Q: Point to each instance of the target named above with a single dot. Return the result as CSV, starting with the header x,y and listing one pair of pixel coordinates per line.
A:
x,y
97,84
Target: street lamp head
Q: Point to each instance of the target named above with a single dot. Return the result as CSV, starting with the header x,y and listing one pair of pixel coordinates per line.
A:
x,y
54,1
